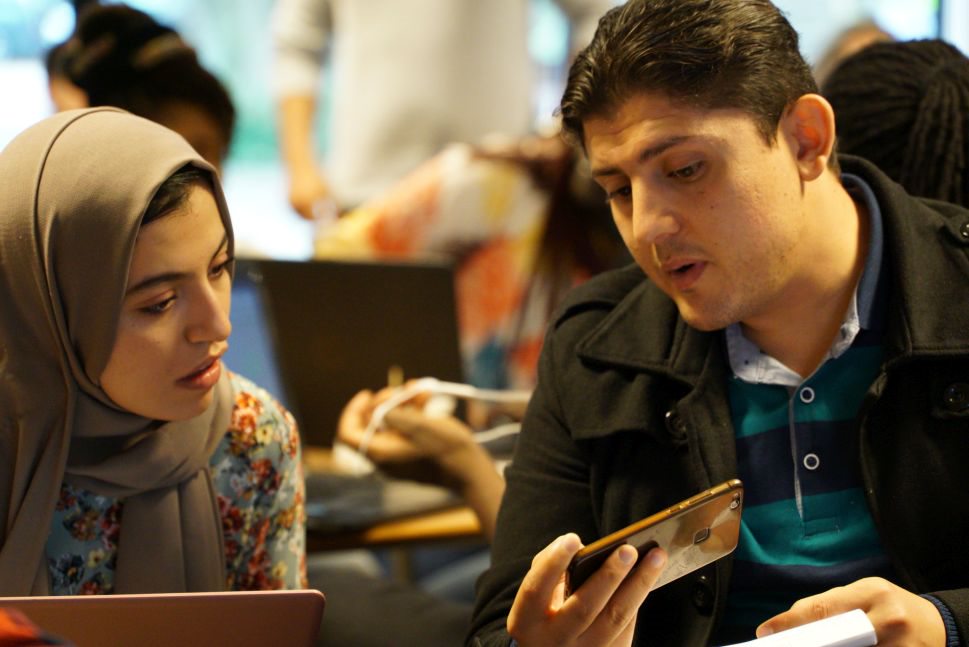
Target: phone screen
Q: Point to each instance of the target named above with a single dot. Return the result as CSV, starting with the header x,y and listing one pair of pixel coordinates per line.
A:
x,y
694,533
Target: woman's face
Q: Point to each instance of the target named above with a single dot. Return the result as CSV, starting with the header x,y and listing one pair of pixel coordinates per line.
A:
x,y
197,127
174,320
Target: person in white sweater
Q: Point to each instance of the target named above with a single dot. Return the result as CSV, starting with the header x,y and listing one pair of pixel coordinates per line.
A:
x,y
406,78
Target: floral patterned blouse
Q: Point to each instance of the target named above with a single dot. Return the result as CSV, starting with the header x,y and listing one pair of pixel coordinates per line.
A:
x,y
258,476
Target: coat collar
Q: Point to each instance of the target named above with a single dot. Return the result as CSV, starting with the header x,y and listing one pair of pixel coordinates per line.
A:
x,y
927,250
645,332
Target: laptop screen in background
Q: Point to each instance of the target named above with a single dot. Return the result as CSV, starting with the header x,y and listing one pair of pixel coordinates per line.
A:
x,y
316,332
251,352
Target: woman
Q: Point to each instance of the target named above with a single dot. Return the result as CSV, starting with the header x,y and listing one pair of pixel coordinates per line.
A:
x,y
522,222
130,459
120,56
905,106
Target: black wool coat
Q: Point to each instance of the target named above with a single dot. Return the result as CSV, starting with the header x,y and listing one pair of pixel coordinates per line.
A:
x,y
631,415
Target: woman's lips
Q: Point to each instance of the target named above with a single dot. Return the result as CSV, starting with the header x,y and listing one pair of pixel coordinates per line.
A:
x,y
204,378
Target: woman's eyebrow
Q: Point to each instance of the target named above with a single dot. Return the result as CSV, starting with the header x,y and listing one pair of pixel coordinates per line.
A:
x,y
222,246
168,277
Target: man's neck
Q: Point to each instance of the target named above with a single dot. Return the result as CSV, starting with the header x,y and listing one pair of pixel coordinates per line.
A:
x,y
801,329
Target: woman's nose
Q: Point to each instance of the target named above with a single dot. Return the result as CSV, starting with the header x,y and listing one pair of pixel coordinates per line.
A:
x,y
210,317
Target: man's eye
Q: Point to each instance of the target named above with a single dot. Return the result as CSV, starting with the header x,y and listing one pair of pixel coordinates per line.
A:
x,y
687,172
619,194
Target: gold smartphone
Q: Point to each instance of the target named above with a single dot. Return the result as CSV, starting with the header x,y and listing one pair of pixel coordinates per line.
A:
x,y
694,533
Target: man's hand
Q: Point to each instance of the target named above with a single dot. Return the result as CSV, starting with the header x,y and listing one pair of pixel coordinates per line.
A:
x,y
601,612
899,616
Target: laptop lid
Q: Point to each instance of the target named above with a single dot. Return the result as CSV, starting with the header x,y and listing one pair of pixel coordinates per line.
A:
x,y
341,326
237,618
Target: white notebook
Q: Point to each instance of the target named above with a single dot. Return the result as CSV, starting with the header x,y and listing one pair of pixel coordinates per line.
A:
x,y
851,629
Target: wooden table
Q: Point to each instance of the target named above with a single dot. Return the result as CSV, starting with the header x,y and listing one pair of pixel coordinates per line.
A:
x,y
456,524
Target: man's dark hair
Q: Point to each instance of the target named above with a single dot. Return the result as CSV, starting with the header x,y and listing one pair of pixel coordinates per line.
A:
x,y
905,107
705,54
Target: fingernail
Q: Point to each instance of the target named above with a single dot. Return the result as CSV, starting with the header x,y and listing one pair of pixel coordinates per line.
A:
x,y
627,554
763,631
656,559
570,542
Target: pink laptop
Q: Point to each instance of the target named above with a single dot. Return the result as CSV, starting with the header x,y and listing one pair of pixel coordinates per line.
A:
x,y
237,619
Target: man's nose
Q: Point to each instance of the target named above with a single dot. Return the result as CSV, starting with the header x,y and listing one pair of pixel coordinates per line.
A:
x,y
653,218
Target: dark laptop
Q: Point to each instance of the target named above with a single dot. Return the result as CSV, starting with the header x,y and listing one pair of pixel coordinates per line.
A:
x,y
337,327
314,333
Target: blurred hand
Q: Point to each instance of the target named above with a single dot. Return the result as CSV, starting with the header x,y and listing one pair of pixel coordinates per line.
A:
x,y
899,616
307,188
410,437
601,612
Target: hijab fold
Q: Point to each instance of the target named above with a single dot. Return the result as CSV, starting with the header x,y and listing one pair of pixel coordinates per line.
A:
x,y
75,188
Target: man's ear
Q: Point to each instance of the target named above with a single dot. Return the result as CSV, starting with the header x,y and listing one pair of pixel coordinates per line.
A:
x,y
808,124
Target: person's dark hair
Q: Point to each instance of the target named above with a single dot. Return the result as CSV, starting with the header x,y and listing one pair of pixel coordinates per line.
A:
x,y
55,60
905,107
705,54
174,192
122,57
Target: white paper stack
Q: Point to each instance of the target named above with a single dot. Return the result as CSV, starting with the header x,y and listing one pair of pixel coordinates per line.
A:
x,y
851,629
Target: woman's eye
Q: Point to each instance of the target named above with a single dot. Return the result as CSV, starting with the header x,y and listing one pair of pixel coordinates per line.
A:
x,y
158,308
687,172
221,268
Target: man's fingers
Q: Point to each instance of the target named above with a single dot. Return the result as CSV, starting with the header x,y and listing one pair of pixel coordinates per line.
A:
x,y
816,607
535,598
624,586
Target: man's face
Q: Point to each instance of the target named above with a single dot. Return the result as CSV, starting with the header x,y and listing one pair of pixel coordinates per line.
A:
x,y
709,210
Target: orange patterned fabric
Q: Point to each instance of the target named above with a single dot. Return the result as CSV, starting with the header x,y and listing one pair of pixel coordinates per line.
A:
x,y
488,216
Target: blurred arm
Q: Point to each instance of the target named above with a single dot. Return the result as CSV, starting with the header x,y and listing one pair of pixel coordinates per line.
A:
x,y
300,30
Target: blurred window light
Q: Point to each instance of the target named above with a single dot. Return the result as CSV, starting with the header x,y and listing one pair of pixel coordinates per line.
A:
x,y
56,24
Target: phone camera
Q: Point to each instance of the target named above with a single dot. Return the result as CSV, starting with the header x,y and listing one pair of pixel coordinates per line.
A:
x,y
701,535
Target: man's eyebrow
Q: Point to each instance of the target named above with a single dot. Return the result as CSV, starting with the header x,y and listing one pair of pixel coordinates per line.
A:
x,y
645,155
169,277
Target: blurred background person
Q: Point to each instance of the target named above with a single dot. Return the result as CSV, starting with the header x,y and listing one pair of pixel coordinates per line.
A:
x,y
64,95
406,78
905,107
847,42
522,222
120,56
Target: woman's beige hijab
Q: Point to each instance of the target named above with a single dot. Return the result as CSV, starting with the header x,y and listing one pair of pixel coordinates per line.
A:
x,y
73,189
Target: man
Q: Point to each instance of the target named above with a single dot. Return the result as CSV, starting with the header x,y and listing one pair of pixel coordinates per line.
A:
x,y
793,319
